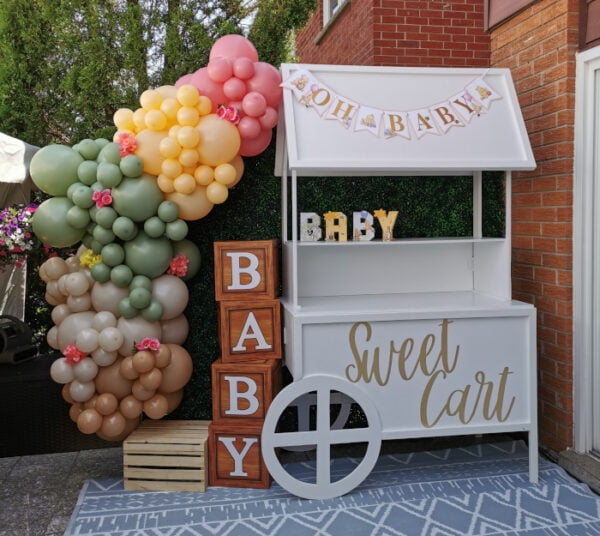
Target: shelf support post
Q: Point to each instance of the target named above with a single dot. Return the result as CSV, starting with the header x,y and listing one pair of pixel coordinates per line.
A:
x,y
477,205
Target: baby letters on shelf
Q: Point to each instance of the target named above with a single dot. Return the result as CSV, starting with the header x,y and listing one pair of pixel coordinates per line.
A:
x,y
336,225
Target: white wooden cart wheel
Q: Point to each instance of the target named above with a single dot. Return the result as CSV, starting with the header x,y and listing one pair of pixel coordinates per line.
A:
x,y
303,406
324,436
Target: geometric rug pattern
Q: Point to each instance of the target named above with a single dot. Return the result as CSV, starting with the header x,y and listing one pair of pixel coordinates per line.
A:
x,y
477,490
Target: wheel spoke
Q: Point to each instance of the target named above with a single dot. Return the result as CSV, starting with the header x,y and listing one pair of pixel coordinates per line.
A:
x,y
323,464
293,439
351,435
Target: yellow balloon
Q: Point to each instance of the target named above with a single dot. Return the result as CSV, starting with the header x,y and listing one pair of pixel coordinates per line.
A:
x,y
187,115
225,174
192,206
238,164
165,184
167,92
204,175
156,120
151,99
187,95
217,193
171,168
184,184
148,150
219,140
188,137
204,105
169,148
139,119
174,130
169,107
188,158
123,119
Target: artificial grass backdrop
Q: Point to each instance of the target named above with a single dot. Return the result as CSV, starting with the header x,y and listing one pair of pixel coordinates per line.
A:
x,y
428,207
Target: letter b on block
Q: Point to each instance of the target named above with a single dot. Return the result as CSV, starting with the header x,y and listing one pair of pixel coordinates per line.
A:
x,y
246,270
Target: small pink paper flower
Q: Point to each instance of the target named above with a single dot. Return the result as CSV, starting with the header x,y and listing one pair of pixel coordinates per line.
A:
x,y
178,265
102,198
228,113
73,354
148,344
127,143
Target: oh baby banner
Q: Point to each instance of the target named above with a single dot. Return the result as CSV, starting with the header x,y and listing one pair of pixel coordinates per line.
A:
x,y
438,118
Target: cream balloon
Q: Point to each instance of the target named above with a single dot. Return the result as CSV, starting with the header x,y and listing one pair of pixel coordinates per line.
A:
x,y
42,273
73,264
52,289
55,267
106,297
61,371
134,330
76,283
52,337
81,303
52,300
62,285
82,391
86,370
175,330
110,339
102,358
104,319
172,293
59,313
71,326
87,340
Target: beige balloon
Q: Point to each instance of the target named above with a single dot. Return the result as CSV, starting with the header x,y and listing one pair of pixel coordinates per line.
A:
x,y
73,264
55,267
172,293
71,326
175,330
76,283
134,330
52,337
106,297
78,304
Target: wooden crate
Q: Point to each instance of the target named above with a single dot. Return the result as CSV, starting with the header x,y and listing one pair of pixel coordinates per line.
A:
x,y
166,456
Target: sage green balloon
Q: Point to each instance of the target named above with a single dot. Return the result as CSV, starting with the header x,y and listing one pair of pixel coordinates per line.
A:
x,y
168,211
97,187
71,189
109,175
127,310
78,217
131,166
100,272
82,196
121,275
88,149
50,225
154,227
87,240
124,228
54,168
140,297
176,230
106,216
148,256
87,171
113,254
110,153
93,211
101,142
153,312
96,246
141,281
103,235
137,199
191,251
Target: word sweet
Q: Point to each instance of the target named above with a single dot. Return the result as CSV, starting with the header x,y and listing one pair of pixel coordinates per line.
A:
x,y
482,395
336,226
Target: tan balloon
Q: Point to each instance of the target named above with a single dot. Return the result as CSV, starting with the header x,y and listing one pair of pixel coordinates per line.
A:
x,y
66,393
143,361
151,380
75,410
131,407
134,330
130,426
53,300
156,407
173,400
106,297
89,421
113,425
127,370
148,149
140,392
178,372
191,206
109,380
91,403
173,293
162,356
106,404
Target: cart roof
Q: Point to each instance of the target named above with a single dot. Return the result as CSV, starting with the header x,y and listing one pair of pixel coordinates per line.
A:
x,y
358,120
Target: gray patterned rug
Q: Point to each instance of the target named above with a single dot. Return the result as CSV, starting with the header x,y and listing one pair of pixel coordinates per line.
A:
x,y
479,490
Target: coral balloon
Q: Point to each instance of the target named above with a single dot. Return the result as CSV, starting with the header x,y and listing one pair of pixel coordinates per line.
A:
x,y
234,89
254,104
156,407
185,79
219,69
266,80
254,146
175,330
89,421
243,68
249,127
173,293
202,82
147,149
109,380
233,46
178,372
191,206
269,118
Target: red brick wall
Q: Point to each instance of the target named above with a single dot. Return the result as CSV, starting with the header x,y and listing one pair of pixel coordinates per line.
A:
x,y
430,33
539,46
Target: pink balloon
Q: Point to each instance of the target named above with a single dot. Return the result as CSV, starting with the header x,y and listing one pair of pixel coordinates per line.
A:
x,y
234,88
219,69
254,104
249,128
254,146
185,79
266,80
243,68
269,118
207,87
233,46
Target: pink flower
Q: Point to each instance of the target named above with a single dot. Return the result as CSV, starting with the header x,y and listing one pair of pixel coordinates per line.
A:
x,y
178,265
127,143
73,354
228,113
148,344
102,198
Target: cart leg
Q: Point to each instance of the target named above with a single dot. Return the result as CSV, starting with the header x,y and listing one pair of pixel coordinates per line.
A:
x,y
533,456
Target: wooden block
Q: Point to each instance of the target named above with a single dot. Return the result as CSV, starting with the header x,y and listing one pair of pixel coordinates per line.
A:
x,y
246,270
235,458
244,391
166,456
250,330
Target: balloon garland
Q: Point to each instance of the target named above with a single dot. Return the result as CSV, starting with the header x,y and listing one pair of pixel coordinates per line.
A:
x,y
118,303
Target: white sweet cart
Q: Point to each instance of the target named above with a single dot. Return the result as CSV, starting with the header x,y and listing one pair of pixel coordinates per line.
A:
x,y
422,334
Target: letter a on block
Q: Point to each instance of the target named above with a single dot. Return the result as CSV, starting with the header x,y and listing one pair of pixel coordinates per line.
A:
x,y
251,330
237,270
238,457
235,395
